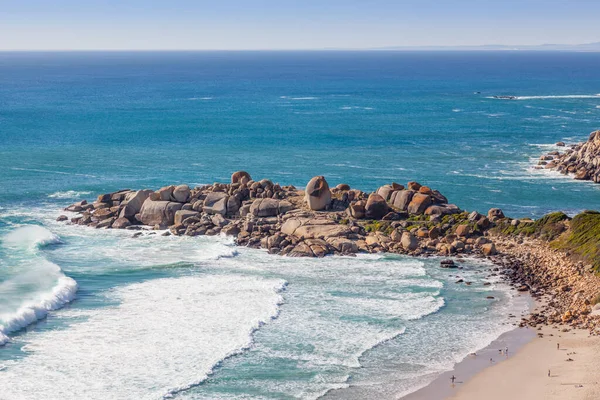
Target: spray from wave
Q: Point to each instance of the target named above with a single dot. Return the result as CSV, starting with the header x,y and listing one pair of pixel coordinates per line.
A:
x,y
69,194
35,285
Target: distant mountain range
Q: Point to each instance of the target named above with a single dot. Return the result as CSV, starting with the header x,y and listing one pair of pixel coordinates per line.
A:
x,y
591,47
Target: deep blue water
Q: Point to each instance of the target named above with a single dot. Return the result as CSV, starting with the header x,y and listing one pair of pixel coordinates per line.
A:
x,y
146,317
103,121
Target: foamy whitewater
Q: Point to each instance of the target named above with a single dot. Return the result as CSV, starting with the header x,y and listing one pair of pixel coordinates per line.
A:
x,y
98,314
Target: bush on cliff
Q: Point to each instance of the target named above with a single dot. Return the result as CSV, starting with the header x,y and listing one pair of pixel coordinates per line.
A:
x,y
583,238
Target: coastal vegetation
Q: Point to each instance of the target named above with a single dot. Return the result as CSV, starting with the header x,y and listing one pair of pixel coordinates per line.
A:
x,y
578,237
582,239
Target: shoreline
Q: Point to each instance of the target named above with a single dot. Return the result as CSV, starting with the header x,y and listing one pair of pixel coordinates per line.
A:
x,y
572,369
471,366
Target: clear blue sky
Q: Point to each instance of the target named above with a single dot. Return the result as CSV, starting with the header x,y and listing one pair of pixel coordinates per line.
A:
x,y
299,24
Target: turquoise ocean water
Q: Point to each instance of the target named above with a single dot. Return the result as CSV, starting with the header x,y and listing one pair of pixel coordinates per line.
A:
x,y
97,314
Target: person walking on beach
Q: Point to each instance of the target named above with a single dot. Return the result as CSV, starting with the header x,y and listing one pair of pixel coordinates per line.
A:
x,y
548,373
506,351
453,379
557,346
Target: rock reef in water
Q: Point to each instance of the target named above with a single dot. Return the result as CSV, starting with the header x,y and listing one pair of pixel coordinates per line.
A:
x,y
582,160
412,219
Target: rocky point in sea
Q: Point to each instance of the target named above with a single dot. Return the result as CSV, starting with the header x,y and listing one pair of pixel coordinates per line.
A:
x,y
314,222
556,257
582,159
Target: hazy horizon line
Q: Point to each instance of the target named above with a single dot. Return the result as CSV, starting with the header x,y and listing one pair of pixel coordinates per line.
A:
x,y
581,47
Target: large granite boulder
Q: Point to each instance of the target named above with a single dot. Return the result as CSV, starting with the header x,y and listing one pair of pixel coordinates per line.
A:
x,y
166,193
311,248
216,203
495,214
409,242
376,206
314,228
270,207
385,191
442,209
357,209
121,223
158,212
241,177
182,215
343,245
489,249
318,195
181,193
233,204
402,199
419,203
133,203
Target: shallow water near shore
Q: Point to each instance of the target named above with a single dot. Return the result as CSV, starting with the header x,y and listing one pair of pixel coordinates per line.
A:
x,y
198,318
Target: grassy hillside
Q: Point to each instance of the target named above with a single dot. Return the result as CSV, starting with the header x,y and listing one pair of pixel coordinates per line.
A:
x,y
582,239
580,236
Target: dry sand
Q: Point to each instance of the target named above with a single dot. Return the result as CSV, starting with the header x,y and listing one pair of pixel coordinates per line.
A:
x,y
525,375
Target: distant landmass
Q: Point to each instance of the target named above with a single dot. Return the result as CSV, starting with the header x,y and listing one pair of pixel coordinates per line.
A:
x,y
591,47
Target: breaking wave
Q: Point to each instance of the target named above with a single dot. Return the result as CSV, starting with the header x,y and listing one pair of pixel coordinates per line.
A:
x,y
36,285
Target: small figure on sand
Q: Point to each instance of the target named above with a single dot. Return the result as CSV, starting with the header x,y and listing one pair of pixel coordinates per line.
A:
x,y
557,346
506,351
491,360
548,373
453,379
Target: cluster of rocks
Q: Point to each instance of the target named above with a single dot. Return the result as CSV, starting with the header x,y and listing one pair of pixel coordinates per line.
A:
x,y
567,289
314,222
582,160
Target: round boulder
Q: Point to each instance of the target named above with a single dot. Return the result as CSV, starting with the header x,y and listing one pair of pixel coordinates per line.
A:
x,y
318,195
241,177
376,206
181,193
495,214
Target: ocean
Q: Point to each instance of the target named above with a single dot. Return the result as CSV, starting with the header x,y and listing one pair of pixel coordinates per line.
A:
x,y
97,314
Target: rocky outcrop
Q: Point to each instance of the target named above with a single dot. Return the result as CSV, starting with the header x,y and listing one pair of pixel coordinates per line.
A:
x,y
581,160
318,195
286,221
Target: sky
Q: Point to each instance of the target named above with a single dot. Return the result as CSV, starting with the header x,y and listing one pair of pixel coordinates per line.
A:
x,y
284,24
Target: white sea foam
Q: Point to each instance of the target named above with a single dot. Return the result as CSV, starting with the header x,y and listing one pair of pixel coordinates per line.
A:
x,y
69,194
33,310
165,336
47,287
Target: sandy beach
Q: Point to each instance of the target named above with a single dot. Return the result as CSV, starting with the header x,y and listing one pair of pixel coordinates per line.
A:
x,y
525,375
